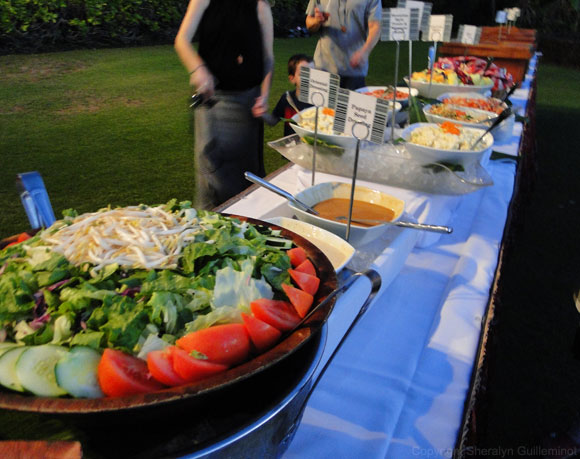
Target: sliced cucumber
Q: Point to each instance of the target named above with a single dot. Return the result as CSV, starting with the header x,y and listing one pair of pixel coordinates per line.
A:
x,y
6,346
8,377
35,369
76,372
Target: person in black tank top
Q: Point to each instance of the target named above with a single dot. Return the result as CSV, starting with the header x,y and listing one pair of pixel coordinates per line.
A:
x,y
231,70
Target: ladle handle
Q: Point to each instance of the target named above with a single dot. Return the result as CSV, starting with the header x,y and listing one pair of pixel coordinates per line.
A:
x,y
502,116
425,227
258,181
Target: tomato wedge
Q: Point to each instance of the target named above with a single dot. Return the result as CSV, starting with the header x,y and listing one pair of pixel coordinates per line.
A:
x,y
160,364
297,256
306,282
306,267
122,374
263,335
23,237
228,344
300,299
279,314
191,369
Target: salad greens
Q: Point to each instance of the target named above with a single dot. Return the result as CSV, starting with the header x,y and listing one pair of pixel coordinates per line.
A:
x,y
228,264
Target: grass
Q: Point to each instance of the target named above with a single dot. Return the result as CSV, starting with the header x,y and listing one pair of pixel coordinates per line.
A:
x,y
113,127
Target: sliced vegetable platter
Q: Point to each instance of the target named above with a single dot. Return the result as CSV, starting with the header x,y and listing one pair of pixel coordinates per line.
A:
x,y
147,305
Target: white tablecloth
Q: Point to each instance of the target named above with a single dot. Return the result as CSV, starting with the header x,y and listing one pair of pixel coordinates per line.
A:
x,y
398,385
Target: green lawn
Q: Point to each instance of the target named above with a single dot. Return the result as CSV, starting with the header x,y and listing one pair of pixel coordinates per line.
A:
x,y
113,127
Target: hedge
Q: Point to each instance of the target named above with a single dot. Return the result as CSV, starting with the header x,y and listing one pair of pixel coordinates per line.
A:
x,y
45,25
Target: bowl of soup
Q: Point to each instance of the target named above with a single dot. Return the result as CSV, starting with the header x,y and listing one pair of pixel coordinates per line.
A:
x,y
332,201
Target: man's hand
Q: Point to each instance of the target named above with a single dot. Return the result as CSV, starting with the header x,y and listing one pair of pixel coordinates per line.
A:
x,y
358,58
313,23
320,16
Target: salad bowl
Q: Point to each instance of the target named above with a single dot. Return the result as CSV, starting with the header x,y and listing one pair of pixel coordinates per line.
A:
x,y
177,399
434,90
359,235
378,91
429,154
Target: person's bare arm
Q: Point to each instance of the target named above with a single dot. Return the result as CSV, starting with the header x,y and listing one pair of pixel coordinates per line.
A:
x,y
260,107
364,52
200,76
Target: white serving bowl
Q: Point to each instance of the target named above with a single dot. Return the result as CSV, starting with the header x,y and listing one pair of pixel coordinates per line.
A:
x,y
358,235
500,133
428,155
344,141
336,249
403,101
434,118
440,88
340,140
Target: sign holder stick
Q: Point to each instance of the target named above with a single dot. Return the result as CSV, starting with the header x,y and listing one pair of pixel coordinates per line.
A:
x,y
354,172
432,64
410,64
395,91
315,145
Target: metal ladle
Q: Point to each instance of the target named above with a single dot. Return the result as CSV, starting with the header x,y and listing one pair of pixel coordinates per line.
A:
x,y
502,116
402,224
264,183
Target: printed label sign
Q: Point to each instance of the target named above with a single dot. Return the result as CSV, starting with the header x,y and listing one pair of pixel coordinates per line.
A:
x,y
398,24
440,27
469,34
424,12
361,116
318,87
501,17
511,14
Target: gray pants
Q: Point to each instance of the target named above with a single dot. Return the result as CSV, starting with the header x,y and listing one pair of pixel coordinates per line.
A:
x,y
228,142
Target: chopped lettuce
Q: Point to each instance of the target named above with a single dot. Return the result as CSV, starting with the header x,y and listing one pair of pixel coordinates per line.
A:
x,y
230,263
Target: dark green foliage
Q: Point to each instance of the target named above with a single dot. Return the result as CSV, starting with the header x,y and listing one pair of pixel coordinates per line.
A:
x,y
48,25
40,25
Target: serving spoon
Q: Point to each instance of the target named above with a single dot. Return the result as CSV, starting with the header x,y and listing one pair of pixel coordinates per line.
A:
x,y
502,116
510,92
402,224
264,183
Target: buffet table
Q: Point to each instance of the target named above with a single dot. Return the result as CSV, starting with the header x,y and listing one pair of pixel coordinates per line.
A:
x,y
398,387
405,381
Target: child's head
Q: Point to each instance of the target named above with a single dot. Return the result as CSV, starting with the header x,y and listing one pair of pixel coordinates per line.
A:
x,y
294,64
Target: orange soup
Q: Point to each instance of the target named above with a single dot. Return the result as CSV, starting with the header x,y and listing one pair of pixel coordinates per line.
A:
x,y
337,207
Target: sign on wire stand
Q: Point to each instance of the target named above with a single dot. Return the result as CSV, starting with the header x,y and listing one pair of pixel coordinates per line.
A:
x,y
439,27
361,116
469,34
399,24
318,88
424,8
